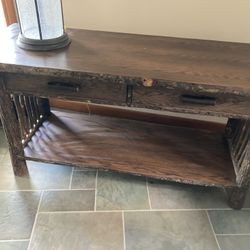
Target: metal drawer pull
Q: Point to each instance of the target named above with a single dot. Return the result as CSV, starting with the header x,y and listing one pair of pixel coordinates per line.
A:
x,y
74,87
199,99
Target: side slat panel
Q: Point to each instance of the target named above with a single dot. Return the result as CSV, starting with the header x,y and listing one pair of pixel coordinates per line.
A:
x,y
238,136
31,112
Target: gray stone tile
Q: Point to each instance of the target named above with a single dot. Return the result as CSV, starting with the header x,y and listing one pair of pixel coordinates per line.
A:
x,y
166,195
17,214
74,231
121,191
6,159
234,242
3,151
14,245
2,135
41,176
3,142
83,179
77,200
230,221
189,230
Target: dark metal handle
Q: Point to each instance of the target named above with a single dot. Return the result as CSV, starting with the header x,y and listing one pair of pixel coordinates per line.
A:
x,y
199,99
66,86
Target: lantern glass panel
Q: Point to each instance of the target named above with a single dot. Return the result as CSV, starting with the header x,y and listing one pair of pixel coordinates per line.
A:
x,y
51,20
42,26
28,19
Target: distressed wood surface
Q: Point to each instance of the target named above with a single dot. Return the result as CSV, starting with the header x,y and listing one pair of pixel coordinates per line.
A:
x,y
135,70
212,65
21,116
109,91
31,112
237,196
238,136
12,131
171,153
135,114
103,90
191,100
181,75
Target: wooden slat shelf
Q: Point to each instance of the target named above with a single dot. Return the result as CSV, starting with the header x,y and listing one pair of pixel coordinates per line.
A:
x,y
172,153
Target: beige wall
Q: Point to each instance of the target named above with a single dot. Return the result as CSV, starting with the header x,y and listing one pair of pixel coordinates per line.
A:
x,y
226,20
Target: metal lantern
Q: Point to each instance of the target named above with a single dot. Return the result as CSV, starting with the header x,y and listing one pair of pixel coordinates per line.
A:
x,y
41,25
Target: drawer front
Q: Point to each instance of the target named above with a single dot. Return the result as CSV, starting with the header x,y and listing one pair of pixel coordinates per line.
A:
x,y
107,91
187,100
158,96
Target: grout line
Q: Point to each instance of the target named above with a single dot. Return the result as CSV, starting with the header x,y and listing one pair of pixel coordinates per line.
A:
x,y
247,234
149,200
34,224
71,177
123,229
128,211
47,190
2,241
78,189
212,228
79,212
96,177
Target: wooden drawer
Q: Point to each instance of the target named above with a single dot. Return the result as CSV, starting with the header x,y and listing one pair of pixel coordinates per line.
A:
x,y
88,89
159,96
190,99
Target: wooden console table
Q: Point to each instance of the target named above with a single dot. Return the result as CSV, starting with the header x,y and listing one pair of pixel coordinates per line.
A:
x,y
160,73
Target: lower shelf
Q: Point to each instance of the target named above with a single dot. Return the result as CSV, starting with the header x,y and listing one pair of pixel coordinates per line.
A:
x,y
164,152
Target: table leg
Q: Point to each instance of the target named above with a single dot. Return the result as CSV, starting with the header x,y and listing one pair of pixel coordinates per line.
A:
x,y
12,132
236,196
238,136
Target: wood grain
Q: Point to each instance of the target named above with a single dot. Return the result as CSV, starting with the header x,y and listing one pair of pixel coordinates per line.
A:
x,y
237,196
118,112
103,90
106,90
162,73
159,151
166,97
238,136
12,131
132,58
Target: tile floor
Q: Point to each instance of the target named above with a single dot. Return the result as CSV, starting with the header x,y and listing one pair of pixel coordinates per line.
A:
x,y
59,207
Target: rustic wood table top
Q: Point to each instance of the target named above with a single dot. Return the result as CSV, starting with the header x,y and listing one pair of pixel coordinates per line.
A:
x,y
176,60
